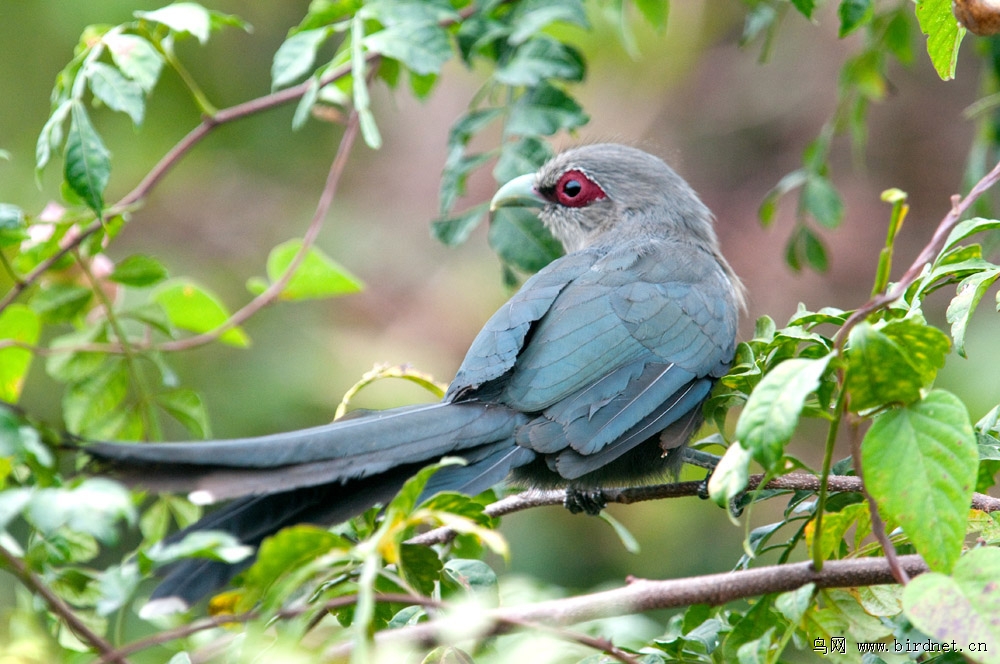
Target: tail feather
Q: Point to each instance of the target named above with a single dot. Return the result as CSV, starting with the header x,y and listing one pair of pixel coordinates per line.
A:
x,y
253,518
343,450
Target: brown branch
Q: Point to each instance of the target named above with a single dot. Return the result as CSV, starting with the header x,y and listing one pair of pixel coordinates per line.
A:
x,y
791,482
646,595
65,612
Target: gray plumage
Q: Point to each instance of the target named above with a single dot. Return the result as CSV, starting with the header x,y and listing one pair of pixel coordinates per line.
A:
x,y
593,373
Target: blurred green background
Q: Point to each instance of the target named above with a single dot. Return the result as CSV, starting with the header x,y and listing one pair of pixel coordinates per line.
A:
x,y
729,123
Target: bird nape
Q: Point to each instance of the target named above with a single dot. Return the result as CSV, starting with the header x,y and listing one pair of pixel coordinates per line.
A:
x,y
592,374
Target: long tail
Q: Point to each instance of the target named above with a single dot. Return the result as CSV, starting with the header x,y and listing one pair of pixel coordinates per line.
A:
x,y
343,450
322,475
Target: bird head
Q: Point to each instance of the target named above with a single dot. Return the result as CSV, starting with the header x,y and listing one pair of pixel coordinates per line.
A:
x,y
608,193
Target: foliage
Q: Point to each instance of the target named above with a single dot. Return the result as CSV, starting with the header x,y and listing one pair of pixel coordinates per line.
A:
x,y
106,332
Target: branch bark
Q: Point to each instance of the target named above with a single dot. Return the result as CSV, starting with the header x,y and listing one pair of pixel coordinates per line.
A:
x,y
641,595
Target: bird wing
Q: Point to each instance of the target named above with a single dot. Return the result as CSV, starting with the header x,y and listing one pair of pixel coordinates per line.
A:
x,y
613,345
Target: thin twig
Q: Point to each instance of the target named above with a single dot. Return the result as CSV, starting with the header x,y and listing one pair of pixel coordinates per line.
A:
x,y
273,292
69,617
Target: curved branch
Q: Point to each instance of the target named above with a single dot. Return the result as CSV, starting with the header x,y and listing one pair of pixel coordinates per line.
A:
x,y
646,595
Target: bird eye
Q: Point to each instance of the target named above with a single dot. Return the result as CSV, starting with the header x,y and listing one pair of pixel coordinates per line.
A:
x,y
571,188
574,189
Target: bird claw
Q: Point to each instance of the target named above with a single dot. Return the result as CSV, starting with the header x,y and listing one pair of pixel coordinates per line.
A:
x,y
589,502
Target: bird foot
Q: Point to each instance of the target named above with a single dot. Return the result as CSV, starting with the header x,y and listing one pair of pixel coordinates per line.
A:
x,y
589,502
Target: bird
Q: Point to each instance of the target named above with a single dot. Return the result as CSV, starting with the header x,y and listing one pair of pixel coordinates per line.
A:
x,y
593,374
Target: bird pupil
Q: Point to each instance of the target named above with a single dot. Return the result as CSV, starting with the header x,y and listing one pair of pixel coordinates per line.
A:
x,y
572,188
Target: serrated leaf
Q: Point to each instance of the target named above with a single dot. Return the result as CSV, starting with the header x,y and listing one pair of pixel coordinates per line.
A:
x,y
191,307
960,310
117,92
92,407
182,17
944,35
136,58
296,55
521,240
931,444
893,363
772,412
139,271
21,324
420,567
541,58
88,162
965,229
963,607
317,276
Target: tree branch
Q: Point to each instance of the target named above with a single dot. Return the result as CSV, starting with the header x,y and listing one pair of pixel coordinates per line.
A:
x,y
36,585
646,595
791,482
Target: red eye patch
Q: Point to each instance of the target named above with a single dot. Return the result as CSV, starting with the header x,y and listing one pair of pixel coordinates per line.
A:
x,y
574,189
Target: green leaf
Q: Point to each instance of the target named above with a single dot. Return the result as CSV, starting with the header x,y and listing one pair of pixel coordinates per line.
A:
x,y
821,200
853,14
51,135
730,476
521,240
12,227
455,230
193,308
207,544
61,303
136,58
406,500
186,407
970,292
88,162
922,459
296,55
423,48
182,17
286,553
317,276
815,252
963,607
17,323
93,507
305,106
470,577
944,35
525,155
420,567
772,413
539,59
769,206
965,229
543,111
139,271
891,364
92,407
656,12
531,16
805,7
117,92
